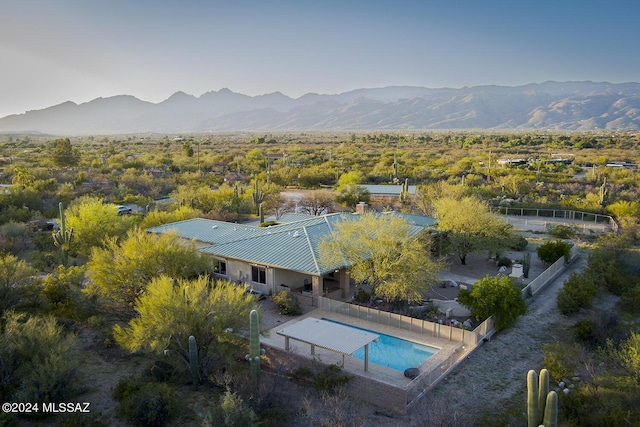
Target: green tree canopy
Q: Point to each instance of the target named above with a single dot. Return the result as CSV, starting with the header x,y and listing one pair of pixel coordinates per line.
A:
x,y
427,194
381,250
625,209
170,311
349,192
550,252
629,355
94,221
159,217
470,226
223,203
121,271
494,296
63,155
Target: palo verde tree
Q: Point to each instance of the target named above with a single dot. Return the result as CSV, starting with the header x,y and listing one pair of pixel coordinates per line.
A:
x,y
15,275
93,222
349,191
171,311
121,270
470,226
494,296
382,251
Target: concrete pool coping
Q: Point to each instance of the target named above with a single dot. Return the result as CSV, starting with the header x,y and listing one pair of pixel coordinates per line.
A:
x,y
355,366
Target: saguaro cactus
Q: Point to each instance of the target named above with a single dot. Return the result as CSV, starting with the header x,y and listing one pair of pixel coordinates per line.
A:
x,y
62,238
603,193
551,410
404,192
254,345
258,197
193,361
542,404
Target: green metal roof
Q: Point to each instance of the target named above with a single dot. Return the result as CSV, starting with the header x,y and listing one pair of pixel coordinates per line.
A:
x,y
290,245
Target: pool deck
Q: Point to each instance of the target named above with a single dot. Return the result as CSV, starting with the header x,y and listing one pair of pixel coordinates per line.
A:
x,y
356,366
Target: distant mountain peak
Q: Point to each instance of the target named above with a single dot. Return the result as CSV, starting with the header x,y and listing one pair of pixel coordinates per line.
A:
x,y
550,105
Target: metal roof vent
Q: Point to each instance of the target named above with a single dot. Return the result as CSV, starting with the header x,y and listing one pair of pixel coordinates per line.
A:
x,y
296,234
214,226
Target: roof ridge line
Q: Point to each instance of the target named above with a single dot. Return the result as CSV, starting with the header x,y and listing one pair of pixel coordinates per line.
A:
x,y
311,251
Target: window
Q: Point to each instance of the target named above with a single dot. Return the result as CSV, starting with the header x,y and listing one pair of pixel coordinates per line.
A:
x,y
258,274
220,267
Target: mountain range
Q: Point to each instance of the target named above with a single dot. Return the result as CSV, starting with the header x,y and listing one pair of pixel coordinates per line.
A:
x,y
561,106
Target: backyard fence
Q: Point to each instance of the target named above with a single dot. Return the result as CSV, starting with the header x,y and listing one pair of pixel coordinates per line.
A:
x,y
549,274
424,327
466,341
576,219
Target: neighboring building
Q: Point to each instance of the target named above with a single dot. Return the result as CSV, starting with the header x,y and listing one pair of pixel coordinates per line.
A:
x,y
280,257
386,193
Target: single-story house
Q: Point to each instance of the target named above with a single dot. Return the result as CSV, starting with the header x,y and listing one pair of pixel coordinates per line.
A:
x,y
279,257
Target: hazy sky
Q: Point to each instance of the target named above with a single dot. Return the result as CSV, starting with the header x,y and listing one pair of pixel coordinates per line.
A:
x,y
53,51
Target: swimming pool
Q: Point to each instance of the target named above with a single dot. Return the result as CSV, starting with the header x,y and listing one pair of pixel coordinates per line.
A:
x,y
393,352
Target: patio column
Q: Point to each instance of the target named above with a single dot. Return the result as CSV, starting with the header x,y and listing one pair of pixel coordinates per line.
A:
x,y
317,291
366,357
344,282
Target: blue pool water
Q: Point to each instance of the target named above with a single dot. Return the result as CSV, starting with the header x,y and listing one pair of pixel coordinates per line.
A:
x,y
393,352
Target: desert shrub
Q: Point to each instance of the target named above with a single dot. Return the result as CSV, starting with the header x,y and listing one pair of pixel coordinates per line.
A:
x,y
550,252
578,292
561,231
47,261
504,261
287,303
302,373
584,331
362,296
560,359
630,301
494,296
14,237
144,404
578,408
330,378
519,243
609,270
230,412
126,388
39,362
161,370
62,290
15,279
273,416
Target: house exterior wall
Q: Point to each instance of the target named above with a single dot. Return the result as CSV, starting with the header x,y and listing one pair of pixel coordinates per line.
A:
x,y
289,278
240,272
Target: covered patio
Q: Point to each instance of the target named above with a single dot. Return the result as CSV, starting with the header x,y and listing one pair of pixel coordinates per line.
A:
x,y
329,336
